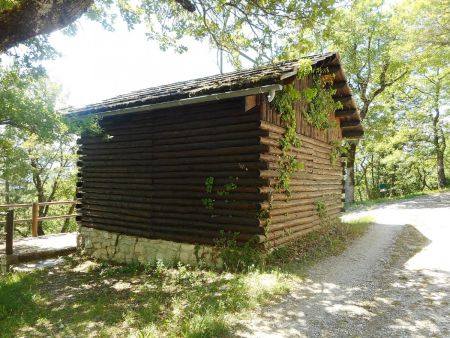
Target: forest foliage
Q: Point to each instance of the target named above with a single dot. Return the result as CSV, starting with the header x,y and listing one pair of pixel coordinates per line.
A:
x,y
395,55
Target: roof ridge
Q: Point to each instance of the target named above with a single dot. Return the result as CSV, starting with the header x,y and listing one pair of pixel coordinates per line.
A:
x,y
238,79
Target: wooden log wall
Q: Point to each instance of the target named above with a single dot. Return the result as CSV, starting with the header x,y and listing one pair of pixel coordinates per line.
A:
x,y
320,181
146,176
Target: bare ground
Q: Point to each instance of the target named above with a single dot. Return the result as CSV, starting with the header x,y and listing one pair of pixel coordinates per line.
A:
x,y
394,281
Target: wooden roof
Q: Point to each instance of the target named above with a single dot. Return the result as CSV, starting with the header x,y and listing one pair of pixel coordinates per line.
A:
x,y
266,75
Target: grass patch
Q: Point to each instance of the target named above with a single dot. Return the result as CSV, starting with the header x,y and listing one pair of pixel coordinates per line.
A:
x,y
84,298
329,240
375,201
134,300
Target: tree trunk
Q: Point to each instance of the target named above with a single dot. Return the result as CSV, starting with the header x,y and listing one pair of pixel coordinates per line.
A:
x,y
366,184
67,220
7,197
442,182
31,18
41,198
350,174
439,139
39,185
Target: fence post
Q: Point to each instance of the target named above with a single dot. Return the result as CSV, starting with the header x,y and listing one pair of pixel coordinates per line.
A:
x,y
35,219
9,232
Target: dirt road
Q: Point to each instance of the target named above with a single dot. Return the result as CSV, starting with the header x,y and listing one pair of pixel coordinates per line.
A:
x,y
392,282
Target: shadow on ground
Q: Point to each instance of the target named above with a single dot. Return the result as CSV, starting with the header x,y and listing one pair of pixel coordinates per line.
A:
x,y
65,302
393,301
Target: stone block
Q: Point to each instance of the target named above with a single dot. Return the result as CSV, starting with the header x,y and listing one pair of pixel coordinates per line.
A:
x,y
126,249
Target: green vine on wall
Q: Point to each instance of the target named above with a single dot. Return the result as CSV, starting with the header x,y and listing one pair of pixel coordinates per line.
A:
x,y
208,202
319,104
321,209
338,149
283,103
319,98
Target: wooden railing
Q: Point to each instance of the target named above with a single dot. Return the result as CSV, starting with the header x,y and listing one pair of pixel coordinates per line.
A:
x,y
9,221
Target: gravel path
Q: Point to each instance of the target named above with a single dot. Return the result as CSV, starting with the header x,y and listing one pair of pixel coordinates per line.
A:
x,y
392,282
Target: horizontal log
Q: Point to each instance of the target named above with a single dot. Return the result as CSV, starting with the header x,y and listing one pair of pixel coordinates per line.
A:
x,y
218,204
219,183
292,209
297,215
108,148
155,217
168,228
293,203
345,100
124,140
301,173
352,133
291,237
288,211
175,128
230,158
172,208
294,196
350,123
154,169
339,84
345,112
177,149
183,174
284,226
280,130
237,150
166,187
179,129
308,166
304,189
201,238
308,182
302,153
275,236
297,225
185,113
180,194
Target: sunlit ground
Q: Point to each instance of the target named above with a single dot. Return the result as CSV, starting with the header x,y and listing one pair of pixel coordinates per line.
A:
x,y
395,281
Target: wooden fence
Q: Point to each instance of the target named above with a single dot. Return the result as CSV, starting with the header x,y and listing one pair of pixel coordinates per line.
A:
x,y
10,221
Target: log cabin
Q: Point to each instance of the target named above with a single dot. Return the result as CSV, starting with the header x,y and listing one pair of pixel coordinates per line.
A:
x,y
178,165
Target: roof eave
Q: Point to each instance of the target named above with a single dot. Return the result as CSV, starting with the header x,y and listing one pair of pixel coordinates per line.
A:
x,y
185,101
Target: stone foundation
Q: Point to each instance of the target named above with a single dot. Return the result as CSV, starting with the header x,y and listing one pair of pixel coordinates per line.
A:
x,y
121,248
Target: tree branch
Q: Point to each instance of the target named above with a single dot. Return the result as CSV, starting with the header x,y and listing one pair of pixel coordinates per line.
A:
x,y
186,4
30,18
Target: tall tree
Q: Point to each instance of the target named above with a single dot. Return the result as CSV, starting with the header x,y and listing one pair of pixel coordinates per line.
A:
x,y
429,40
27,102
430,94
406,129
367,38
51,165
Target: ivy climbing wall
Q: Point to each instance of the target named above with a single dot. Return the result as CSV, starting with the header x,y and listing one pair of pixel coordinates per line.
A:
x,y
314,189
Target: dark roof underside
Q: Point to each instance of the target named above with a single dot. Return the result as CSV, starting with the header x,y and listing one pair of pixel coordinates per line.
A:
x,y
243,79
